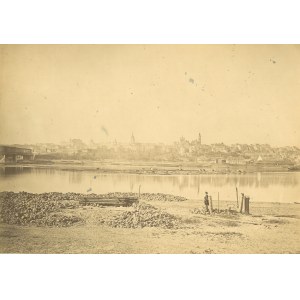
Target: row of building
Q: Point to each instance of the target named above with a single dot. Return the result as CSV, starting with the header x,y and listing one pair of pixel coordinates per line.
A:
x,y
183,150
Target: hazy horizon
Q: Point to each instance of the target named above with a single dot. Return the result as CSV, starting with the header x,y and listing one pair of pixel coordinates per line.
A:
x,y
247,94
139,142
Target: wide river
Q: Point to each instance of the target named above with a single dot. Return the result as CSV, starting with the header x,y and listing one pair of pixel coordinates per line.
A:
x,y
262,187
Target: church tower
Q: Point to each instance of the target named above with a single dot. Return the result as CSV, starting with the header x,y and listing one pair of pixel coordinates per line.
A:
x,y
199,138
132,139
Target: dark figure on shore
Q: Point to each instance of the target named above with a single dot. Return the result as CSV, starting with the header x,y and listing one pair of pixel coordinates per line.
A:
x,y
206,201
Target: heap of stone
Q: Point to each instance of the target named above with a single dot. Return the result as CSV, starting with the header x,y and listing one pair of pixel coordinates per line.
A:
x,y
144,215
203,211
26,208
161,197
143,196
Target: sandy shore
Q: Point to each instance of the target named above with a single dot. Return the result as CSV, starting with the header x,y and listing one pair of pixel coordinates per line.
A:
x,y
151,168
271,228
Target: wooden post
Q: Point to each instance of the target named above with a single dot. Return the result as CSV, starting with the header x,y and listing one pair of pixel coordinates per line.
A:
x,y
247,200
218,203
210,205
242,203
237,197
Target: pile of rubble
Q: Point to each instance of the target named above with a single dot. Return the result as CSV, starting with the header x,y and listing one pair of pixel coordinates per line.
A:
x,y
144,215
143,196
161,197
49,209
203,211
39,209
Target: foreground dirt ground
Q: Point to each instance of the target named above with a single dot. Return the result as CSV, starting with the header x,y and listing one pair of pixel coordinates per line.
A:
x,y
271,228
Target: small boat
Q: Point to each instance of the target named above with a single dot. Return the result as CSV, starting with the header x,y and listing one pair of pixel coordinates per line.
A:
x,y
114,201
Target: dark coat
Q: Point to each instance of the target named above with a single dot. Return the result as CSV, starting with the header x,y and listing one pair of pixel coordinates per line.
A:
x,y
206,202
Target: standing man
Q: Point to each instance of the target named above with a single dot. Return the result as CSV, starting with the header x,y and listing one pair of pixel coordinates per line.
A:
x,y
206,201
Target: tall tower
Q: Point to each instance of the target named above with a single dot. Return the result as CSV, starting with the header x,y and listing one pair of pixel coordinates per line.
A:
x,y
132,139
199,138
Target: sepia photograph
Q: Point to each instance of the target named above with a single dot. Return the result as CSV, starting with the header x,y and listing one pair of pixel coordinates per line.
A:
x,y
149,149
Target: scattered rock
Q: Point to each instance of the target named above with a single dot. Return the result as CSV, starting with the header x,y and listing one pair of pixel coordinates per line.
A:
x,y
37,209
208,251
144,215
203,211
46,209
145,196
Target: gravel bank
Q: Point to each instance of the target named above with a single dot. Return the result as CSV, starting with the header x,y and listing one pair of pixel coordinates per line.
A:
x,y
60,210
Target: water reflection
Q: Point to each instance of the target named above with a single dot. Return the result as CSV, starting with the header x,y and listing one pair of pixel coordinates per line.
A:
x,y
7,171
185,181
261,186
75,177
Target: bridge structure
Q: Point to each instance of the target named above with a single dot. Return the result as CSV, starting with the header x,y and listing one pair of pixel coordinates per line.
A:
x,y
9,154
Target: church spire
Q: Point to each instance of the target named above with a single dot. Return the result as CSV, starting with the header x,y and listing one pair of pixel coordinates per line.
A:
x,y
132,140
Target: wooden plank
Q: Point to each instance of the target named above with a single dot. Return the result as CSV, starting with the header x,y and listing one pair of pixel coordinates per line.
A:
x,y
125,201
109,199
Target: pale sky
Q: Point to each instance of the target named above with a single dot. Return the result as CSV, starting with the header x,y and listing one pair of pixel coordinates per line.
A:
x,y
229,93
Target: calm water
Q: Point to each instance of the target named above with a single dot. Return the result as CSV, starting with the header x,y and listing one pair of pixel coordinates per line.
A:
x,y
265,187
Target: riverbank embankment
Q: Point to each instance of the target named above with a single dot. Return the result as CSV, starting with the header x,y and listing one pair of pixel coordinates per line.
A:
x,y
57,223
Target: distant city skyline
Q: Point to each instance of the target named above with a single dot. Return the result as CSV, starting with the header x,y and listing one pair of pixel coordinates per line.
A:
x,y
247,94
132,139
